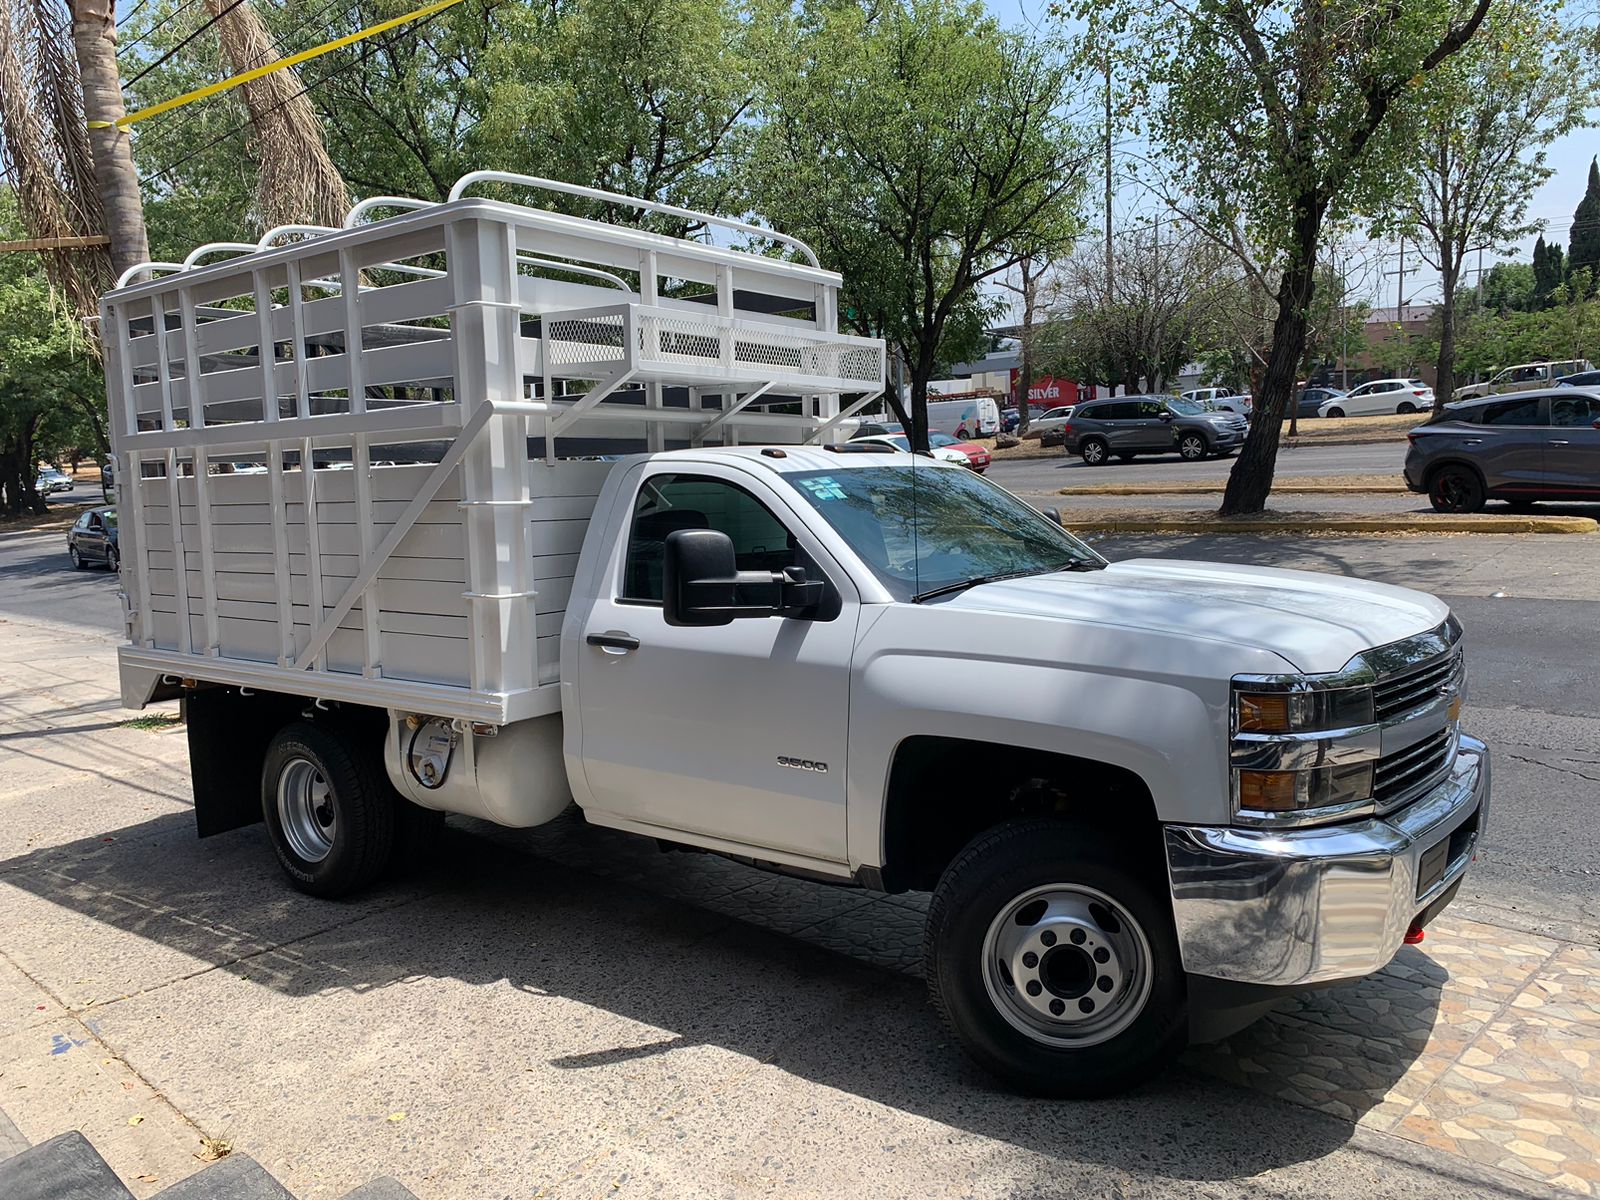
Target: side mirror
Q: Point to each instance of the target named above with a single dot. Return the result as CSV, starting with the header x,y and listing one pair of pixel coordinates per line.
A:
x,y
1166,416
701,583
1054,514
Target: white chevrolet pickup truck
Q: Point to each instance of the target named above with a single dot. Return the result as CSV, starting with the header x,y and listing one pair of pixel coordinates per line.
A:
x,y
488,510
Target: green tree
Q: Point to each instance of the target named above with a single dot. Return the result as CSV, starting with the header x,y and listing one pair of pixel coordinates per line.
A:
x,y
923,149
52,398
1293,135
1511,286
1583,251
1480,130
1549,271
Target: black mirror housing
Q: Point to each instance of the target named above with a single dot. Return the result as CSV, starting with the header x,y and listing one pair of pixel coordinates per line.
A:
x,y
701,583
697,577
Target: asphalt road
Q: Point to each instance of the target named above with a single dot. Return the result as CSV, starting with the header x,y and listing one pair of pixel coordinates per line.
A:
x,y
1035,476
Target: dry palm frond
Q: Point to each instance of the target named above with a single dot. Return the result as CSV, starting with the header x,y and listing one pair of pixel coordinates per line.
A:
x,y
297,182
46,148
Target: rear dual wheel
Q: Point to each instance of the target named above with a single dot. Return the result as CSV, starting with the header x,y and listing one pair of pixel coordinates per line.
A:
x,y
1054,961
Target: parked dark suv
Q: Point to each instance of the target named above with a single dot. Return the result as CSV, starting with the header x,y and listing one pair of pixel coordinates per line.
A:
x,y
1129,425
1524,447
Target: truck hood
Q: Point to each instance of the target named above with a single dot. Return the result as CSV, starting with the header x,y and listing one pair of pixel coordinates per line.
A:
x,y
1315,622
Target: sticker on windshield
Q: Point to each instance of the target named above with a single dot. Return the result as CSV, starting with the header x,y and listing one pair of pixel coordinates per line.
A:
x,y
823,488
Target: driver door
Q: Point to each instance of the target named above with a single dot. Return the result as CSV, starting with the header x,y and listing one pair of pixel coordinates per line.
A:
x,y
735,732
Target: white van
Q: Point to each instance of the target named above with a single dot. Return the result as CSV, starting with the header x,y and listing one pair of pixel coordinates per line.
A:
x,y
974,416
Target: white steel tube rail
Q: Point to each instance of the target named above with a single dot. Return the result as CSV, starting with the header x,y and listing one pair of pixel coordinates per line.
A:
x,y
671,210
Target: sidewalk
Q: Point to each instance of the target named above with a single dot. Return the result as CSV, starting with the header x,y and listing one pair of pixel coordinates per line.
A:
x,y
567,1012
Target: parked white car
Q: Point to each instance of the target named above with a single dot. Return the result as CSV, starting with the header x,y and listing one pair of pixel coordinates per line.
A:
x,y
899,441
1053,418
1221,399
1379,397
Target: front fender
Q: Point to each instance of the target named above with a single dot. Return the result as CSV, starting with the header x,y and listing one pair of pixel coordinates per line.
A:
x,y
1146,702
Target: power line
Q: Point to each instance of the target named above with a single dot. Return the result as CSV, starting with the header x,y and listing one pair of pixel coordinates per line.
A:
x,y
131,13
336,71
191,37
151,32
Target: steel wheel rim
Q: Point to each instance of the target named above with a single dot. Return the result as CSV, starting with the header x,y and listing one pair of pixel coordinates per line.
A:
x,y
306,810
1067,966
1192,447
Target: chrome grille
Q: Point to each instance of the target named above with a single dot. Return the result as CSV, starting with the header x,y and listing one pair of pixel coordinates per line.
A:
x,y
1399,694
1403,773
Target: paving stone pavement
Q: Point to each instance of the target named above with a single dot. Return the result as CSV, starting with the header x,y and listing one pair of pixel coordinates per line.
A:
x,y
1482,1046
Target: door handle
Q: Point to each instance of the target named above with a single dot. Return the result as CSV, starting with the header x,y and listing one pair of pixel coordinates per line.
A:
x,y
613,643
1559,442
1473,442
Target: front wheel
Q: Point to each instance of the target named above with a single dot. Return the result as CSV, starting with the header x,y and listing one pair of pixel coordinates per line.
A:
x,y
1192,447
113,560
1335,412
77,558
1456,489
1092,451
1054,961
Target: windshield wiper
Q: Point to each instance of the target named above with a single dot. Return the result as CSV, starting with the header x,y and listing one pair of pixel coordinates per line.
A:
x,y
1077,564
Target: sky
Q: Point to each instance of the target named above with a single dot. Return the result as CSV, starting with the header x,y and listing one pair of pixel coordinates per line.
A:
x,y
1552,203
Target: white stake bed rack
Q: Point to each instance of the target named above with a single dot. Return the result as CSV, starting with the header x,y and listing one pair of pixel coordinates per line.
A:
x,y
449,375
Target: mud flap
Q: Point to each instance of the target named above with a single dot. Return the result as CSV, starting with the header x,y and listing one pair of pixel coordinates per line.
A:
x,y
228,736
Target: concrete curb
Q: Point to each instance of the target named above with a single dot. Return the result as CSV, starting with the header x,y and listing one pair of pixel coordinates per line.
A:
x,y
1209,523
1214,489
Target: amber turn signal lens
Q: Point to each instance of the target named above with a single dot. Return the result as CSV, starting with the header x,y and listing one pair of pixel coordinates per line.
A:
x,y
1267,791
1263,712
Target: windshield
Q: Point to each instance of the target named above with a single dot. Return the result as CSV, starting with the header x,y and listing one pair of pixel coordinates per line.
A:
x,y
941,439
1188,408
924,529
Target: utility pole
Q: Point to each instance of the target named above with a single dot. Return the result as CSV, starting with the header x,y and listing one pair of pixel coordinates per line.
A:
x,y
1108,178
94,37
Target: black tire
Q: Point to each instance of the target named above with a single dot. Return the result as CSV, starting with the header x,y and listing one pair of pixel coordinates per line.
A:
x,y
1336,412
1406,408
360,807
1193,447
999,869
1454,488
113,559
1093,451
76,556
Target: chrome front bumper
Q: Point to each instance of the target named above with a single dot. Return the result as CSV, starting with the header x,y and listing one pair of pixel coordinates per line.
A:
x,y
1301,906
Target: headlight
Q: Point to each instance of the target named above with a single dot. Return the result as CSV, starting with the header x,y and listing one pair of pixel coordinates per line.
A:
x,y
1301,754
1302,711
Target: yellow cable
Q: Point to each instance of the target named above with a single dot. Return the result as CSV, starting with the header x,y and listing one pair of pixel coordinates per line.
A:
x,y
294,60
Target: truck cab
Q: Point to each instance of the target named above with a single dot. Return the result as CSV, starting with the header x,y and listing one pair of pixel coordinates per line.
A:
x,y
520,543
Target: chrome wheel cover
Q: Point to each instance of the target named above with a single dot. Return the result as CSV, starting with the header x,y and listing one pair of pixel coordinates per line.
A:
x,y
306,810
1067,966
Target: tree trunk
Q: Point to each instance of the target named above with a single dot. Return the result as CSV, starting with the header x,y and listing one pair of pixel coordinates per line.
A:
x,y
1449,276
1026,381
94,37
1250,481
921,372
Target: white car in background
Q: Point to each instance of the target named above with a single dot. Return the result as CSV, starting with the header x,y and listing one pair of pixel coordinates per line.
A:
x,y
1051,418
1379,397
1221,399
899,441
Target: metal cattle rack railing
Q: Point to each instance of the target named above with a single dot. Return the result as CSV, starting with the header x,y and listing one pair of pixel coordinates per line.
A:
x,y
444,339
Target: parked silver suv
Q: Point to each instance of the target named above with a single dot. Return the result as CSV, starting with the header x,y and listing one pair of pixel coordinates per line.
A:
x,y
1129,425
1521,448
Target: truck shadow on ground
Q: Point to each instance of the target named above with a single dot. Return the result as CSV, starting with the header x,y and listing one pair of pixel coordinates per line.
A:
x,y
618,955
